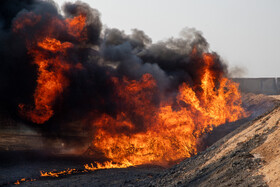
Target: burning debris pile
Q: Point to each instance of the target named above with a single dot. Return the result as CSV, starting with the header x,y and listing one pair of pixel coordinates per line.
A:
x,y
138,102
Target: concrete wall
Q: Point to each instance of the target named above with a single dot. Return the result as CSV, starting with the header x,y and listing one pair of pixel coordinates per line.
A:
x,y
278,84
268,86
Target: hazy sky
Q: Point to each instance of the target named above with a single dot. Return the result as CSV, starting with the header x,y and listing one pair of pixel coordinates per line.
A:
x,y
245,33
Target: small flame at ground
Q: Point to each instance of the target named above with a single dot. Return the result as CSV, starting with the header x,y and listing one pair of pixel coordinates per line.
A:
x,y
107,165
87,168
57,173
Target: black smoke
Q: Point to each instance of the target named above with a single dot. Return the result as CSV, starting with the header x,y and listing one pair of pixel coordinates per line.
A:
x,y
105,54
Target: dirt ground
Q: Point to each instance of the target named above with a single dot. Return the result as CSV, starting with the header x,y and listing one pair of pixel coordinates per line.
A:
x,y
244,153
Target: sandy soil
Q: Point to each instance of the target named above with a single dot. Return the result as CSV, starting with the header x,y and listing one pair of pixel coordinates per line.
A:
x,y
269,151
249,156
275,96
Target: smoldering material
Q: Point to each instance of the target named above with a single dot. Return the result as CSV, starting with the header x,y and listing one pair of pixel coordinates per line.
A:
x,y
104,55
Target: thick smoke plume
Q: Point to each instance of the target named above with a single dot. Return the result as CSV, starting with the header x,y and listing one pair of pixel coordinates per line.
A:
x,y
93,62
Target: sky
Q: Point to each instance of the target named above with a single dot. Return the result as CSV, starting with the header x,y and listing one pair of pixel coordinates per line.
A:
x,y
245,33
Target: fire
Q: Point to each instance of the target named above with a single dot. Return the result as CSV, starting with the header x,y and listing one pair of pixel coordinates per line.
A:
x,y
57,173
87,168
148,126
106,165
171,130
76,26
24,180
29,19
49,56
50,81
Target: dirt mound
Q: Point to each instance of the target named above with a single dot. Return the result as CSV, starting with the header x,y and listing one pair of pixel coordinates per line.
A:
x,y
249,156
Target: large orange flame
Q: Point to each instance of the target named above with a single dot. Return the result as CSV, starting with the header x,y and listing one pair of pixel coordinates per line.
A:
x,y
171,132
50,81
49,56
